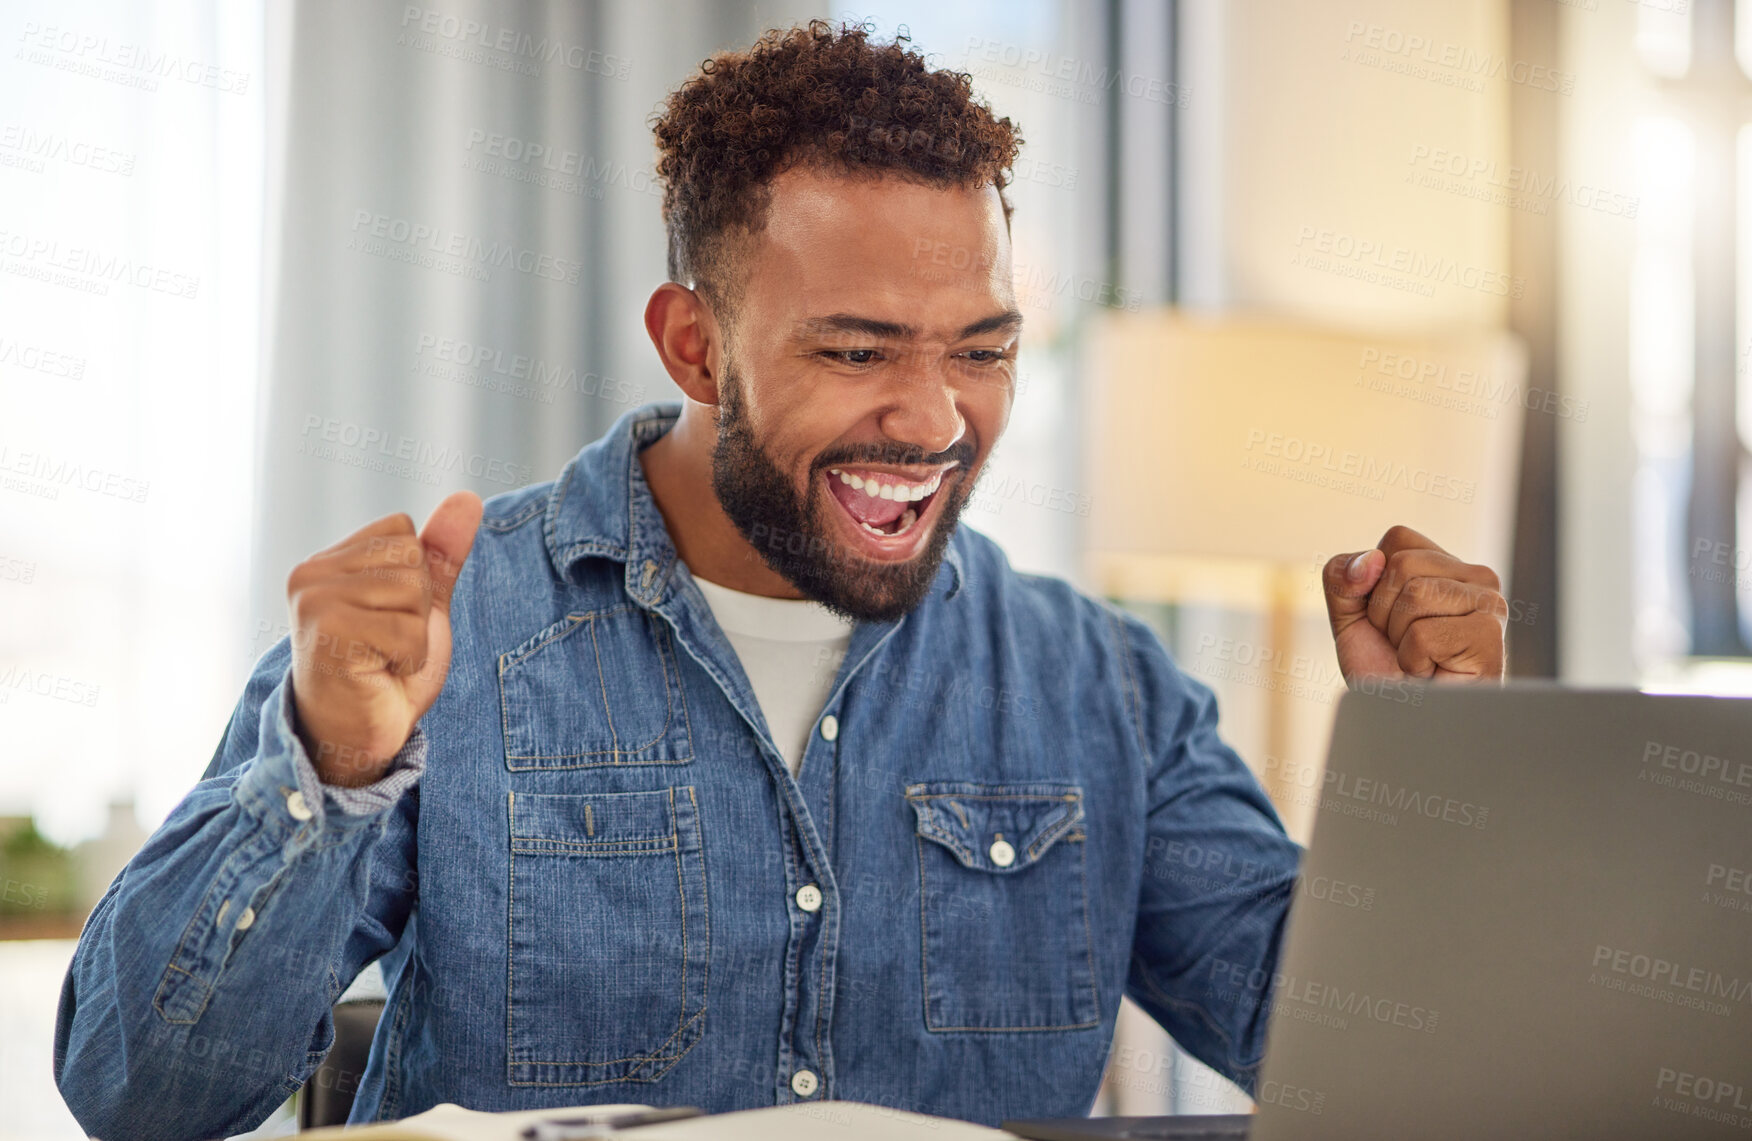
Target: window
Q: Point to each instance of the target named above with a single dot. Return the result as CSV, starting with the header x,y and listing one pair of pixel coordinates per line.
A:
x,y
1690,336
131,159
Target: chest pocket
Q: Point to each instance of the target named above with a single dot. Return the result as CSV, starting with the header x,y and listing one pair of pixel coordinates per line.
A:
x,y
595,689
609,936
1004,907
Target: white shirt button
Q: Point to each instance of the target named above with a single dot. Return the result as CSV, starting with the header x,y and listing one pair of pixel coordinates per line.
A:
x,y
246,919
804,1082
809,897
829,728
298,806
1001,853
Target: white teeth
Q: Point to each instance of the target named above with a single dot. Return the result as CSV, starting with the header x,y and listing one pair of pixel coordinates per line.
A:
x,y
904,493
907,520
874,530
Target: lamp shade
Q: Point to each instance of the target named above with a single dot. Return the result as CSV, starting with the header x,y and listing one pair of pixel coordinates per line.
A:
x,y
1256,441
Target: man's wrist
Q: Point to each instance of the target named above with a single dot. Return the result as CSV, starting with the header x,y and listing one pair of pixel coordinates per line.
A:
x,y
401,773
378,792
338,766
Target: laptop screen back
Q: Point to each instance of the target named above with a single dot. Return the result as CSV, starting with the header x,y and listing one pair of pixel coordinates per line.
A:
x,y
1526,912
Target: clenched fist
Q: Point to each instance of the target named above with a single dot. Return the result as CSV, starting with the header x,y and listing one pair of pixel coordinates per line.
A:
x,y
371,636
1410,609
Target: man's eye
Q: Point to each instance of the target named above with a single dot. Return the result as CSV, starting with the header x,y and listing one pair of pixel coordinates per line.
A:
x,y
853,356
984,356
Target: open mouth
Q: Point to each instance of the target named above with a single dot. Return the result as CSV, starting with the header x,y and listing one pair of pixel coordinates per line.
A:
x,y
882,504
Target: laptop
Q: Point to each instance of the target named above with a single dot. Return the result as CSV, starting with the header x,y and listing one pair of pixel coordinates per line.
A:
x,y
1557,940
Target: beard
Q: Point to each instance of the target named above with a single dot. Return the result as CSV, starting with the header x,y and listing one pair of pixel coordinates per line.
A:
x,y
795,538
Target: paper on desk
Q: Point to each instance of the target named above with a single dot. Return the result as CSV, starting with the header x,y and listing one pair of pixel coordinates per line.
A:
x,y
805,1121
817,1121
448,1122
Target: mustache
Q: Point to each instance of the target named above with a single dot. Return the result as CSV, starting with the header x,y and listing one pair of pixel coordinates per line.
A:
x,y
961,452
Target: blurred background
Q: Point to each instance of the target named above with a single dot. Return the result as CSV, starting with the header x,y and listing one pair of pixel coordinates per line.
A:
x,y
1291,272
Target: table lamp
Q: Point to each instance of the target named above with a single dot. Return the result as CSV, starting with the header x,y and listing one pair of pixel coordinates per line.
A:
x,y
1229,457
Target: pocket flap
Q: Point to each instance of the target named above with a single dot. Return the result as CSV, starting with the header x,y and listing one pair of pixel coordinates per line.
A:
x,y
999,828
599,824
594,689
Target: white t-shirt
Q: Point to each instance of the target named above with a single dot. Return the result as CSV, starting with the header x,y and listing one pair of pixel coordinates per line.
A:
x,y
791,650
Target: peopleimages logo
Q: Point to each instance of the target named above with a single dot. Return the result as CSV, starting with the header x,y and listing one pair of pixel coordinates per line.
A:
x,y
1725,887
486,366
1663,980
56,686
47,474
1515,186
371,230
1710,1091
464,36
1274,453
1693,763
1298,1098
1456,62
1414,267
1696,772
138,65
1067,76
38,359
1436,382
1705,1097
358,445
1335,1004
87,268
573,165
1399,798
34,147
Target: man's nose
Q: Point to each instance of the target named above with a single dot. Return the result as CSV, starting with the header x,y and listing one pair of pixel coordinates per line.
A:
x,y
923,409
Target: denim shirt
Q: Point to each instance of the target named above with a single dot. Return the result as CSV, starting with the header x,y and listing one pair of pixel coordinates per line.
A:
x,y
592,878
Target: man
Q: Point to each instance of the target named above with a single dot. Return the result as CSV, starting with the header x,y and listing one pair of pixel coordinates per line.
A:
x,y
724,769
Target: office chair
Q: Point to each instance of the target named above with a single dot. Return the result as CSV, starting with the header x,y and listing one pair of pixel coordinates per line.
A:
x,y
327,1096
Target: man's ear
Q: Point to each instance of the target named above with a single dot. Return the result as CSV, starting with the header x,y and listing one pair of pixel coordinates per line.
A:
x,y
686,334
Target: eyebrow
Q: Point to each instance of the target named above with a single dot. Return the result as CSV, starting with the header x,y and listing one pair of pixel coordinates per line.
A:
x,y
1006,321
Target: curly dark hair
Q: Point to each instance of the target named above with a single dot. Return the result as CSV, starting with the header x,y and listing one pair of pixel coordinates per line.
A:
x,y
812,94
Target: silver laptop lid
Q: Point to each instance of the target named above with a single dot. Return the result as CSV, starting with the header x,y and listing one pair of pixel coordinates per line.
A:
x,y
1525,913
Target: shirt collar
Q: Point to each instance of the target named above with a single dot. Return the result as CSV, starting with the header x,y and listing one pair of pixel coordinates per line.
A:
x,y
601,506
